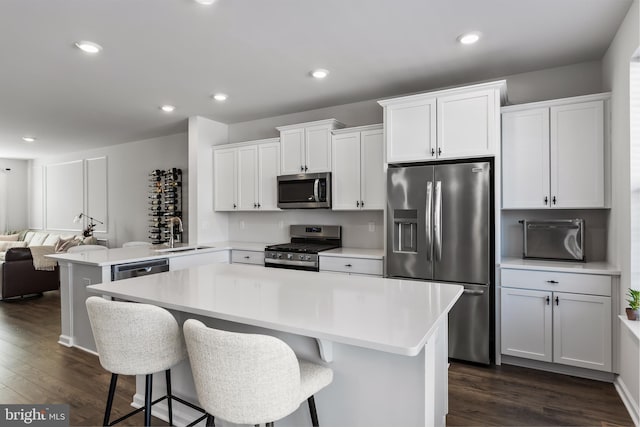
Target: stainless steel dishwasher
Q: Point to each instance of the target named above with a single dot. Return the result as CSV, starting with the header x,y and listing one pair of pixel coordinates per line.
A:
x,y
137,269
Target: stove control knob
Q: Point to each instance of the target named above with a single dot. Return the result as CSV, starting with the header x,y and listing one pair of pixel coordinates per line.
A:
x,y
279,255
307,257
289,256
274,255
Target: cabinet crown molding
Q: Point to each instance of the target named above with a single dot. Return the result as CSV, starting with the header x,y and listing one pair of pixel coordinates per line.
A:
x,y
556,102
498,84
244,143
378,126
328,122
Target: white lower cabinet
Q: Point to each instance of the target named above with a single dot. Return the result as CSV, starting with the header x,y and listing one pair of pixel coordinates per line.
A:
x,y
247,257
197,259
554,326
365,266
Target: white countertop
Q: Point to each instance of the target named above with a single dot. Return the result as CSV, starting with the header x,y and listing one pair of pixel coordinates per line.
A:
x,y
632,325
145,253
561,266
125,255
354,253
389,315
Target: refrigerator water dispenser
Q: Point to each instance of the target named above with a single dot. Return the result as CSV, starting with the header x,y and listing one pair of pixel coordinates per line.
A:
x,y
405,230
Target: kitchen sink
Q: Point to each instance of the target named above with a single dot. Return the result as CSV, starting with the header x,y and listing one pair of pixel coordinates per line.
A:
x,y
184,249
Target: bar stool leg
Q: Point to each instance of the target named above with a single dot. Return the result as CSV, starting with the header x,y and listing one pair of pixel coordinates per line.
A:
x,y
147,399
211,422
169,398
112,390
312,411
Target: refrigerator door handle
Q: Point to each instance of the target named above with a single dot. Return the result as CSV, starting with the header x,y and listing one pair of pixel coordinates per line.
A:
x,y
428,225
437,221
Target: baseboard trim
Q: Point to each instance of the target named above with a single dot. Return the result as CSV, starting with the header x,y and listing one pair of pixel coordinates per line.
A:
x,y
627,399
559,369
65,340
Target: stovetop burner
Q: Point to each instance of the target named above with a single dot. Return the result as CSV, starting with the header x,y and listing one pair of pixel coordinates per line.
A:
x,y
302,252
302,247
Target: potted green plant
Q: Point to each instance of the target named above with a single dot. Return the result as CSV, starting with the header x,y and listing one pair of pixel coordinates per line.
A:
x,y
634,304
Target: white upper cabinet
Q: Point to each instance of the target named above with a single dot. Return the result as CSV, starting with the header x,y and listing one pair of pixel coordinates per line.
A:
x,y
554,154
224,180
525,158
411,130
448,124
358,169
306,147
467,124
245,176
268,171
577,155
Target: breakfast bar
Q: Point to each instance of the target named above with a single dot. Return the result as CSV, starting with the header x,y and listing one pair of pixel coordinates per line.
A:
x,y
385,339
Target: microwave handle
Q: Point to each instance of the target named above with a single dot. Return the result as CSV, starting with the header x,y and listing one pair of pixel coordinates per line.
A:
x,y
316,185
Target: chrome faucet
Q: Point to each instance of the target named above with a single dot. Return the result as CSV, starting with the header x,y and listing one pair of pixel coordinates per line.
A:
x,y
172,221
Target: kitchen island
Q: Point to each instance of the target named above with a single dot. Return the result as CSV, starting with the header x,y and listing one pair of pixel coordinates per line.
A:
x,y
385,339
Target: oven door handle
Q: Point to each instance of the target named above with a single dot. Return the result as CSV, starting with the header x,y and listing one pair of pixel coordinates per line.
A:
x,y
316,185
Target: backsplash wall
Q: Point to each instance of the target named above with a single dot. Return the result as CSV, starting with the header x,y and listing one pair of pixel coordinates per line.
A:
x,y
595,224
273,227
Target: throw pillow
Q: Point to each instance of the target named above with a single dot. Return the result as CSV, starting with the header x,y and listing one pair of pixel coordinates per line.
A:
x,y
64,244
9,237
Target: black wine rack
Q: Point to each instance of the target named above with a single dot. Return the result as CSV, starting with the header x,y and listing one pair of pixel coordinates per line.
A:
x,y
165,202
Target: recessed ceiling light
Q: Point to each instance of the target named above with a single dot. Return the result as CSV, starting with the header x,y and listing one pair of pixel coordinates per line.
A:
x,y
88,47
469,38
220,97
320,73
206,2
168,108
28,139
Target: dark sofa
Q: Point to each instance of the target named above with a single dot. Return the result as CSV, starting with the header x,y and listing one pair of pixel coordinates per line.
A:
x,y
20,278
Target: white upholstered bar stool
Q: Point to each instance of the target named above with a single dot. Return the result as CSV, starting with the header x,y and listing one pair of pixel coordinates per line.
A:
x,y
250,378
135,243
136,339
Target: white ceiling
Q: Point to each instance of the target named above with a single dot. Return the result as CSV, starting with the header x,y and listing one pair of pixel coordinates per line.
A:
x,y
260,53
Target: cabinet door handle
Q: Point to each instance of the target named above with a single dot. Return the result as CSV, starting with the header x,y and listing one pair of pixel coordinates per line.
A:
x,y
357,204
301,168
247,257
439,151
234,206
546,200
305,168
258,204
348,265
362,203
557,301
433,152
552,281
255,205
548,299
553,200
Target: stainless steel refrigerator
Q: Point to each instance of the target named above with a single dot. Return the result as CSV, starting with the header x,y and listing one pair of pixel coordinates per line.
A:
x,y
439,228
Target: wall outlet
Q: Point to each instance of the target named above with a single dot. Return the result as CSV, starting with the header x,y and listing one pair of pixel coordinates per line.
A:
x,y
242,225
281,224
86,281
372,226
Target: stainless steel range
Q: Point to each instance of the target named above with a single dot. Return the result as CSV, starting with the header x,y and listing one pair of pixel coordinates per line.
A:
x,y
302,252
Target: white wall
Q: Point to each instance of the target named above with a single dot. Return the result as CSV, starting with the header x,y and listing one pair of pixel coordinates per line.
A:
x,y
572,80
16,196
616,65
206,225
128,166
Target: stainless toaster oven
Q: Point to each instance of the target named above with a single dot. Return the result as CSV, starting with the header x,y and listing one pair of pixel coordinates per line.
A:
x,y
560,239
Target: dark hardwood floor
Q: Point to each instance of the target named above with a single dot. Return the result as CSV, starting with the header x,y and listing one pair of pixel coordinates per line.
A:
x,y
34,368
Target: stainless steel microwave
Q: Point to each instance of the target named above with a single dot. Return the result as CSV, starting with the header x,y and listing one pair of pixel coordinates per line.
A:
x,y
561,239
304,191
